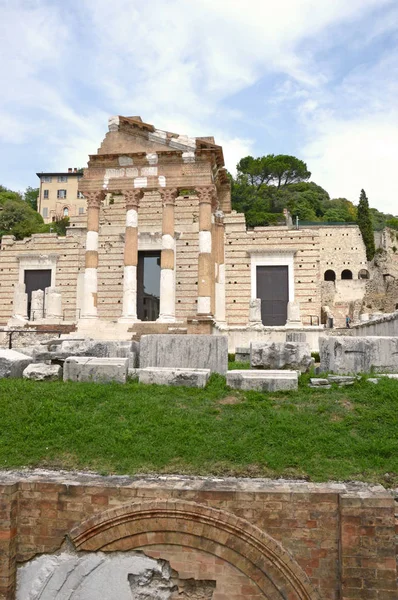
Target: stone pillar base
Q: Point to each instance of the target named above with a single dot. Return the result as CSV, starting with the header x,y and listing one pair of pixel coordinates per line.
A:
x,y
293,315
131,319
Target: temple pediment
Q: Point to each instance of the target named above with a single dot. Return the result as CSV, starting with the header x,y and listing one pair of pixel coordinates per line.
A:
x,y
131,135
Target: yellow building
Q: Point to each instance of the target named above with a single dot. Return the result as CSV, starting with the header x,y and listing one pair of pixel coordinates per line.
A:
x,y
59,196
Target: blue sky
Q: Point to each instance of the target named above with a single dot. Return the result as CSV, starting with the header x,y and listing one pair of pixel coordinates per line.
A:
x,y
314,78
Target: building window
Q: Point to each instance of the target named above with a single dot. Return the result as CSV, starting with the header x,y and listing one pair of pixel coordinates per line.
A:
x,y
62,178
45,194
80,195
81,210
46,179
346,274
329,275
66,211
61,193
45,212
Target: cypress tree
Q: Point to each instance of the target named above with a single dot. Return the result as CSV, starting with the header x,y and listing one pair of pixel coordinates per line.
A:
x,y
366,226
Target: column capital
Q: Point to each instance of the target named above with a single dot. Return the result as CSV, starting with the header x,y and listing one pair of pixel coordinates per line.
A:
x,y
132,197
94,199
168,195
207,194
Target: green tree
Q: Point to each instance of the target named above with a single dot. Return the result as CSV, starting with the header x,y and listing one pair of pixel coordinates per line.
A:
x,y
30,196
366,226
19,219
277,170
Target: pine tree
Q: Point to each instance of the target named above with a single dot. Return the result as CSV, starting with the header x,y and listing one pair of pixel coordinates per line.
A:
x,y
366,226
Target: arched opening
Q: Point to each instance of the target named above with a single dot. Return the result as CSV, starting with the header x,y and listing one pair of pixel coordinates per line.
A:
x,y
346,274
363,274
329,275
66,211
188,524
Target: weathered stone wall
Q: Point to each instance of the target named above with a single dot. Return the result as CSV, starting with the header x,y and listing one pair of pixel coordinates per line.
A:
x,y
239,243
68,254
384,326
254,538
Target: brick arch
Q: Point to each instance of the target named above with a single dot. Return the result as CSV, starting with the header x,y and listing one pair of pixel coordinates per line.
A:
x,y
188,524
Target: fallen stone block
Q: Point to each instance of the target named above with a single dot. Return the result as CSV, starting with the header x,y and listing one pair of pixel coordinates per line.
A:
x,y
281,355
99,370
168,376
242,354
60,350
13,363
43,372
185,351
347,354
320,387
318,382
263,381
372,380
341,379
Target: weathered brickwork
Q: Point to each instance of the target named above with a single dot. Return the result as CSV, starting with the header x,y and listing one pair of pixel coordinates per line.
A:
x,y
240,243
42,249
254,539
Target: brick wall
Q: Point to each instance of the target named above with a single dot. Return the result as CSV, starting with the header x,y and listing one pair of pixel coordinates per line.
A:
x,y
238,246
255,539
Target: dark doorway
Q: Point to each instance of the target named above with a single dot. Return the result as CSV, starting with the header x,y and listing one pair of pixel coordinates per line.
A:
x,y
148,285
273,289
38,279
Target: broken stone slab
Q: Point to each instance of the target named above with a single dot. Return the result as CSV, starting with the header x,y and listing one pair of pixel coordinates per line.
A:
x,y
263,381
94,575
373,380
348,354
99,370
43,372
185,351
242,354
60,350
342,379
173,376
318,382
13,363
281,355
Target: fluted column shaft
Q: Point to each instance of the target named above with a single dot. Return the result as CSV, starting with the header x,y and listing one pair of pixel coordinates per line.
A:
x,y
167,262
205,260
94,200
132,199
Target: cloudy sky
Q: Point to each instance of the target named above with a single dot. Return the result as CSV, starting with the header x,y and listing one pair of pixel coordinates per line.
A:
x,y
314,78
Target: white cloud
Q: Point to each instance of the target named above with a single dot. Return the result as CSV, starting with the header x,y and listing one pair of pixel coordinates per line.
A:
x,y
177,63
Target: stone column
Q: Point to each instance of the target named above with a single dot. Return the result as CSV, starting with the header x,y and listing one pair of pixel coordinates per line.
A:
x,y
37,305
132,199
20,302
167,274
220,267
94,200
205,263
53,303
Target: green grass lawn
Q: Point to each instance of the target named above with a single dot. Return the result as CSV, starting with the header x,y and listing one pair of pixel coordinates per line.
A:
x,y
343,433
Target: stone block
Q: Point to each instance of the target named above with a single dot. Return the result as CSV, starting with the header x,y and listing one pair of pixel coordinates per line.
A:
x,y
99,370
318,382
60,350
263,381
169,376
348,354
13,363
43,372
242,354
255,311
296,336
185,351
281,355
